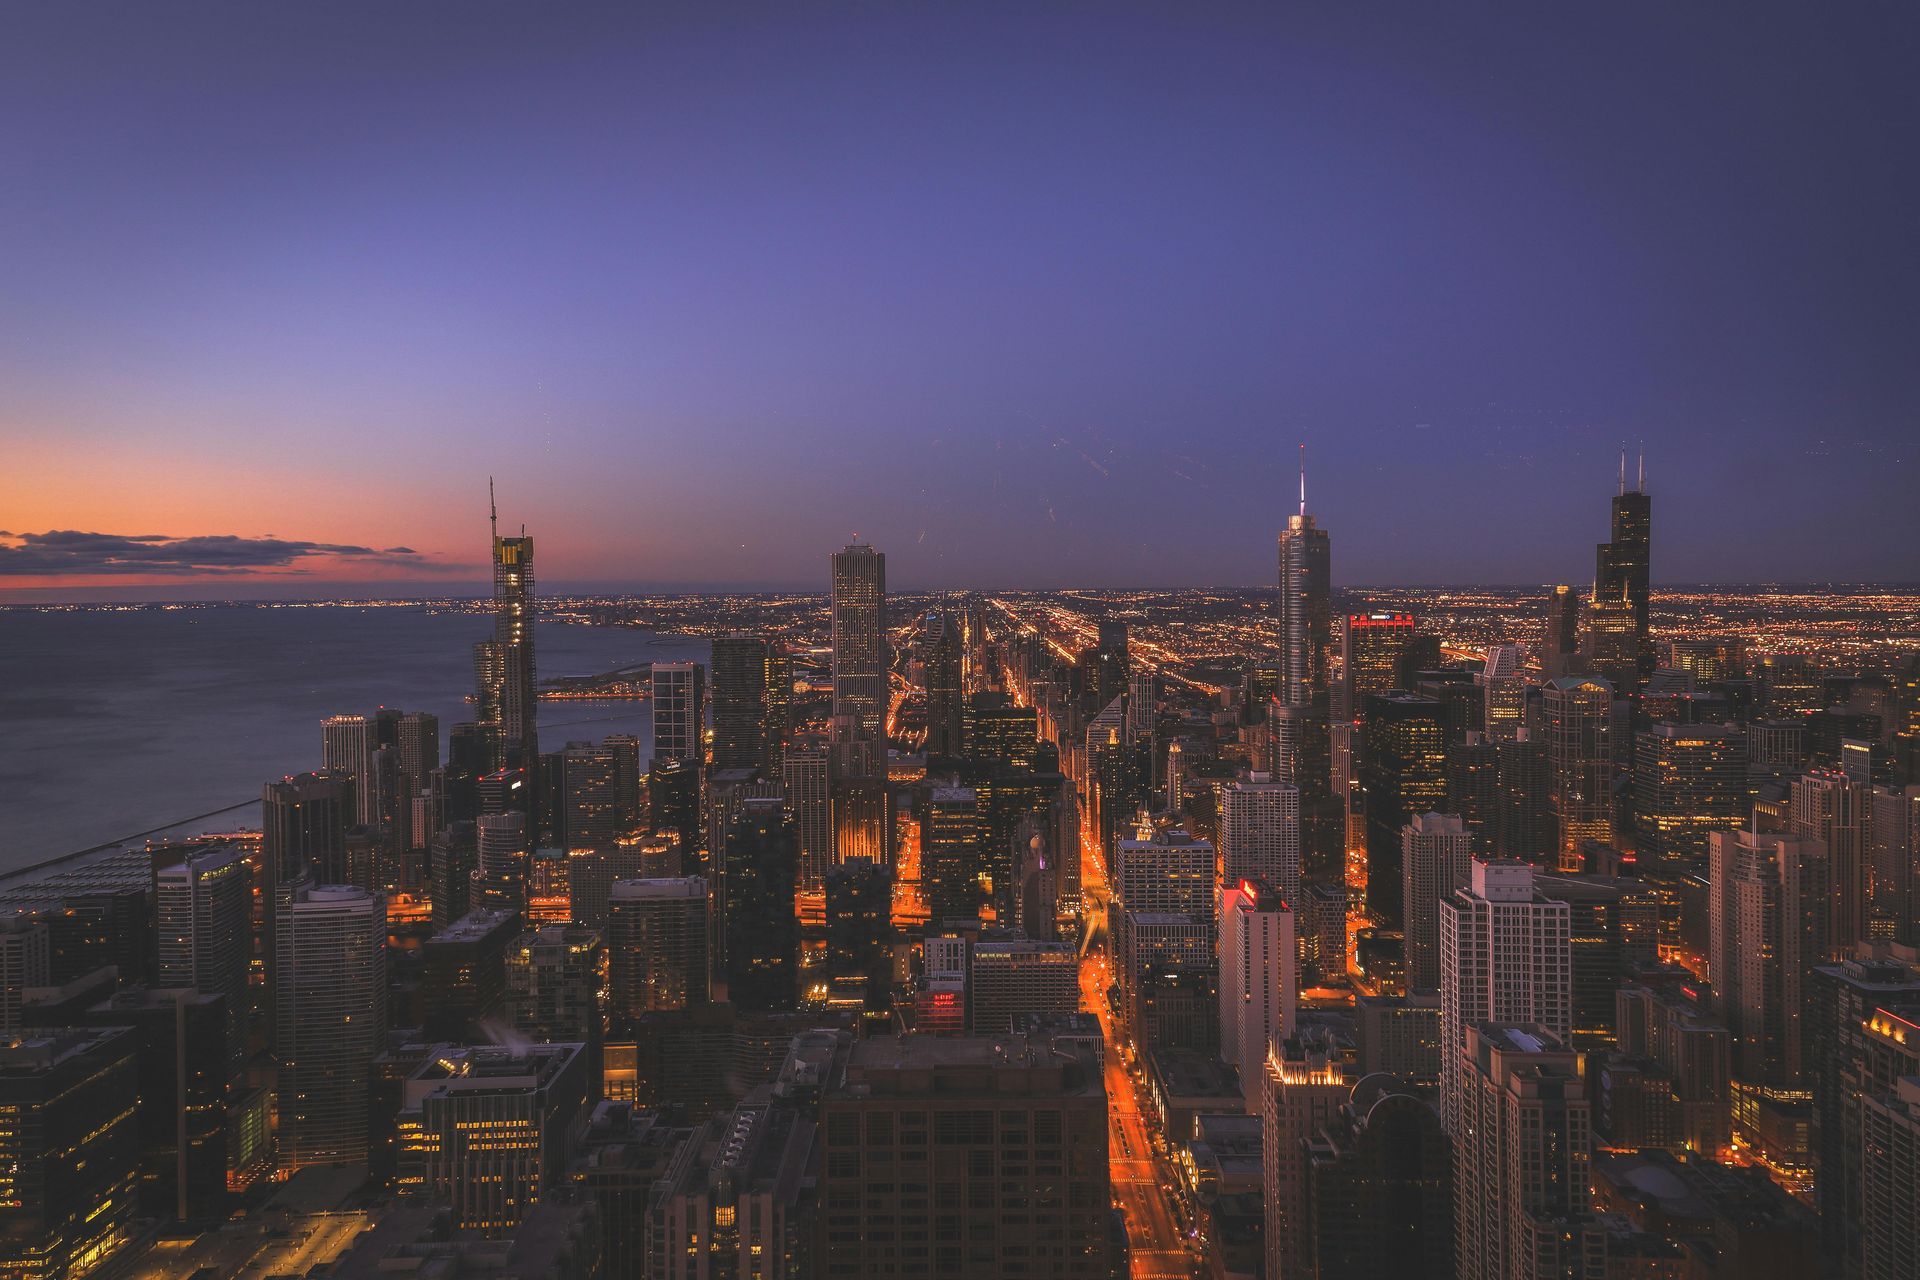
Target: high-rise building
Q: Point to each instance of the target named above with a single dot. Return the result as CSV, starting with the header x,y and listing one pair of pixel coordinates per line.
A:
x,y
1688,780
1613,927
1522,1159
555,977
952,861
500,873
1830,807
1403,770
68,1099
1560,646
1380,1187
1436,858
760,929
1505,956
1259,825
1890,1145
860,661
1767,924
330,1001
941,658
488,1130
303,824
658,952
1578,715
346,750
679,711
859,905
1168,871
591,813
507,687
1503,693
740,687
1893,855
417,739
965,1103
1302,1087
1622,569
463,975
807,775
1370,648
1259,978
203,907
1680,1059
1525,827
1009,979
1298,718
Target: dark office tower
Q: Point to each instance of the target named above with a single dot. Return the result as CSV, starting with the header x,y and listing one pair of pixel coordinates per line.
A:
x,y
346,750
555,979
1831,808
590,789
1370,647
508,692
941,658
1613,925
1613,642
1768,909
779,702
452,857
740,701
416,737
471,750
860,926
1473,790
860,663
463,975
673,803
1302,745
761,930
110,926
1404,770
67,1124
1688,780
1578,716
995,1103
807,775
24,962
1792,684
1436,858
203,908
1622,568
1560,645
1104,667
1905,723
304,821
658,953
951,858
679,712
1891,1142
1380,1183
1525,825
630,800
500,862
330,1000
1860,1015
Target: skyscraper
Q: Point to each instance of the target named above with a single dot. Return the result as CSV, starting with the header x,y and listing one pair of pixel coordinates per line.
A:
x,y
1622,569
740,688
1830,807
1578,711
1302,746
330,998
806,774
508,681
554,981
1259,825
346,750
952,862
1688,780
761,931
941,658
1370,648
203,907
1767,922
1522,1159
1380,1187
1504,692
1403,768
679,711
1259,978
1435,859
1891,1146
25,961
591,809
860,665
658,957
1505,956
500,874
1560,647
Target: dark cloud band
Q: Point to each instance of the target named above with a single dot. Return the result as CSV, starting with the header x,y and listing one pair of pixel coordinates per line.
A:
x,y
61,552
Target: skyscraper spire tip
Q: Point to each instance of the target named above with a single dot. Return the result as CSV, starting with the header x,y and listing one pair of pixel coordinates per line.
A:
x,y
493,509
1303,478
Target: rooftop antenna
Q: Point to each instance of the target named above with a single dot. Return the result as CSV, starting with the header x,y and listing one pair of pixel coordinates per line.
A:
x,y
1623,468
1641,486
1303,479
493,510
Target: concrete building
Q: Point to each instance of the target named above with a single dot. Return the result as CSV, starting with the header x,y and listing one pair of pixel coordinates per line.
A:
x,y
1259,978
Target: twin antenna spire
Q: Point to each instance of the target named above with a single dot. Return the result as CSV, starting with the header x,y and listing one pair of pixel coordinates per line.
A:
x,y
1641,485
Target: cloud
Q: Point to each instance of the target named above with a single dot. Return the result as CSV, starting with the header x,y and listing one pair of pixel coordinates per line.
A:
x,y
62,552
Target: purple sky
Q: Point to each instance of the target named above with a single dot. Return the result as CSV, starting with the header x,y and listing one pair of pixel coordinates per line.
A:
x,y
1027,295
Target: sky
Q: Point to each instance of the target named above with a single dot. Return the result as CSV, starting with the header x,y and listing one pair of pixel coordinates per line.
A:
x,y
1026,295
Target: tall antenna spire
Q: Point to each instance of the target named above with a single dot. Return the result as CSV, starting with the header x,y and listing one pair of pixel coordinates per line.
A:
x,y
1641,486
1303,478
1623,468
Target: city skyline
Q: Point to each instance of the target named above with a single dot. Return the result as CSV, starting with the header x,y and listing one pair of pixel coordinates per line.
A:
x,y
965,289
